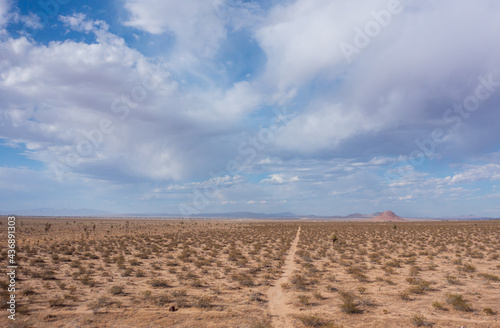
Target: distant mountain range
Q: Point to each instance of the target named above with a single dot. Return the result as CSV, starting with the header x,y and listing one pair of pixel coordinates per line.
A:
x,y
227,215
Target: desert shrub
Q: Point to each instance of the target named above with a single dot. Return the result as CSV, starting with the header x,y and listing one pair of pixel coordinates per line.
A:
x,y
127,272
299,281
101,302
116,290
418,320
134,262
87,280
120,261
489,311
414,270
469,268
243,279
389,282
349,304
452,280
57,302
197,283
256,297
263,323
179,293
318,296
204,302
489,276
357,273
366,301
405,295
163,299
331,288
419,286
438,306
315,321
159,283
48,275
303,299
147,295
28,291
458,302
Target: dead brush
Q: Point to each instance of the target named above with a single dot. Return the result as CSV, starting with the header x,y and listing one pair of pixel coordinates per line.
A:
x,y
159,283
349,303
315,321
458,302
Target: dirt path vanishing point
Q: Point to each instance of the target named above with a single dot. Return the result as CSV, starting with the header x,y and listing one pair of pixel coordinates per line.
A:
x,y
277,307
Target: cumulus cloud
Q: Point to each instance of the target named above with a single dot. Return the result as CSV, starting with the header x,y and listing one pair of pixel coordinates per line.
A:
x,y
79,22
280,179
4,9
58,97
196,25
408,75
487,172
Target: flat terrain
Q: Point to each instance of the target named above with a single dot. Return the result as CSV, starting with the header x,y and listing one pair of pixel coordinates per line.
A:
x,y
255,274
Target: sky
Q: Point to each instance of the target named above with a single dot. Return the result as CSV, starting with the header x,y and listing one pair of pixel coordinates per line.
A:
x,y
325,107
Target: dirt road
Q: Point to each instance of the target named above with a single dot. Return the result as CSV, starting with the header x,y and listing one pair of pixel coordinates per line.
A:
x,y
277,305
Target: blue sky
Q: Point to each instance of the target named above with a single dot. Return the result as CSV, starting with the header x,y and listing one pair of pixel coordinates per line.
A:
x,y
307,106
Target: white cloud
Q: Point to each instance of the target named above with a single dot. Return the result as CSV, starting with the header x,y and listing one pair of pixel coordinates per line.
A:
x,y
374,94
5,6
487,172
280,179
79,22
301,38
54,96
195,24
324,126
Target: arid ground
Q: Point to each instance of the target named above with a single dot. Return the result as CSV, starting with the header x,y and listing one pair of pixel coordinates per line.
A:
x,y
219,273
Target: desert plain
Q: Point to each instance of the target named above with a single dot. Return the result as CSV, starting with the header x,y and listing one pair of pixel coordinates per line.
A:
x,y
131,272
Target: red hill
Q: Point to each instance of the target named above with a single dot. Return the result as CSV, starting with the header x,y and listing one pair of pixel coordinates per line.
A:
x,y
386,216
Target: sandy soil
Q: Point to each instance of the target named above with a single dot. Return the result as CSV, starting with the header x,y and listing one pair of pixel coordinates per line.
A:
x,y
278,307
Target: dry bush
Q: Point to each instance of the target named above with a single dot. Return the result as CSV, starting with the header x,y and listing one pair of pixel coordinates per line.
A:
x,y
418,320
314,321
116,290
458,302
159,283
489,276
438,306
349,303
